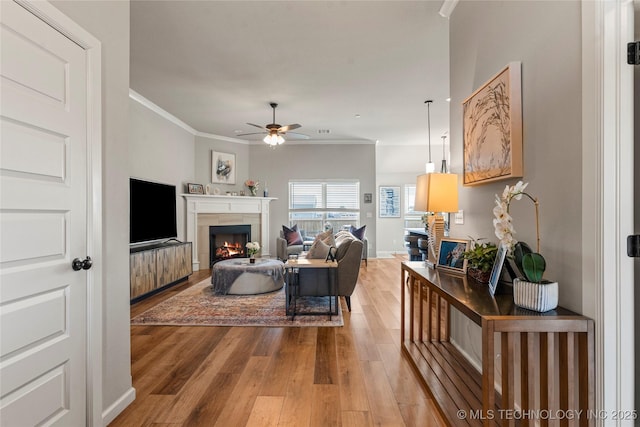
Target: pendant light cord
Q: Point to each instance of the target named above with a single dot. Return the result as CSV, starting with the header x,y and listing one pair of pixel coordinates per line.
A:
x,y
428,102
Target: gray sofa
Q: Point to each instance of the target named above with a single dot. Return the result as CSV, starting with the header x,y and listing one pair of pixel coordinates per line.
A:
x,y
315,282
283,251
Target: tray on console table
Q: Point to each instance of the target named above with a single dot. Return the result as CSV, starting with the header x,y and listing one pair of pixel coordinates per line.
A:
x,y
546,359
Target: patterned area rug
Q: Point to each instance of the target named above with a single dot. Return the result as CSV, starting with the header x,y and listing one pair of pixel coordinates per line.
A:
x,y
198,306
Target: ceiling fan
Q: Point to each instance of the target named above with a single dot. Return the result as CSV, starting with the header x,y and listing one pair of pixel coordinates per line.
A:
x,y
274,131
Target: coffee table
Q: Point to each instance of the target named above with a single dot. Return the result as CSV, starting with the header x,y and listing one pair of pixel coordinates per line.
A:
x,y
293,267
240,277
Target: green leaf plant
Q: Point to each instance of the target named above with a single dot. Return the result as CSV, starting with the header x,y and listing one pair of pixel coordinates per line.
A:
x,y
481,255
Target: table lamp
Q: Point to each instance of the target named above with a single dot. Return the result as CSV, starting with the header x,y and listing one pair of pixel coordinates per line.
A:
x,y
436,193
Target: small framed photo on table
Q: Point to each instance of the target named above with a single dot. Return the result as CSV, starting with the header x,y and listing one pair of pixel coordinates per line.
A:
x,y
451,255
497,269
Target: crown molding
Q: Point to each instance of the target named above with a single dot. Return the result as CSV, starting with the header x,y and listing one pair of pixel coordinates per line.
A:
x,y
176,121
447,8
173,119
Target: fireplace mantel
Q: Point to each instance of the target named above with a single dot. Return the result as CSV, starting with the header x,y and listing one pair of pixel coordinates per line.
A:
x,y
206,204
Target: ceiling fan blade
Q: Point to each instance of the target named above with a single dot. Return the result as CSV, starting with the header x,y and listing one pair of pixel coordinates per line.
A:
x,y
287,128
253,133
258,126
298,135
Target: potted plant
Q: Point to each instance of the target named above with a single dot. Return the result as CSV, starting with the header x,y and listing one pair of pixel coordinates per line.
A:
x,y
480,260
252,249
531,291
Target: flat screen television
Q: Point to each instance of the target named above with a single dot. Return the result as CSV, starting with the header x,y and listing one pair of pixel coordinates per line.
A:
x,y
152,214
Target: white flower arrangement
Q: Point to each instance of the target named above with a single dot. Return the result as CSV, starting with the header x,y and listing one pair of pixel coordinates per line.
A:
x,y
503,221
253,248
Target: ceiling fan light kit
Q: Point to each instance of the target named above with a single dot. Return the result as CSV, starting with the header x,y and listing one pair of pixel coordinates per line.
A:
x,y
274,131
273,139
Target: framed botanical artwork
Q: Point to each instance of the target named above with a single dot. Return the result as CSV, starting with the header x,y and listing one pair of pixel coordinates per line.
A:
x,y
451,255
389,202
497,268
195,189
492,129
223,168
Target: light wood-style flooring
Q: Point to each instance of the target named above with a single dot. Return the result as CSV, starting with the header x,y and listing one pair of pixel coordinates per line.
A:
x,y
254,376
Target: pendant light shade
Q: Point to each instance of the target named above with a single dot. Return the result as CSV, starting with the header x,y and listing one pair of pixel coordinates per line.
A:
x,y
443,167
273,139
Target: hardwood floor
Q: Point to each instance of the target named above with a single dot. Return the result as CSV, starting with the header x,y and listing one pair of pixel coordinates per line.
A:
x,y
254,376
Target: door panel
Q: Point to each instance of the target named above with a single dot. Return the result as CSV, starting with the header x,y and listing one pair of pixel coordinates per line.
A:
x,y
43,223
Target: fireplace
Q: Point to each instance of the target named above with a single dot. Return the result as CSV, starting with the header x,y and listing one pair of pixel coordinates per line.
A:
x,y
228,241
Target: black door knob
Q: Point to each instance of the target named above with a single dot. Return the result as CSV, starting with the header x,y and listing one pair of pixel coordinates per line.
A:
x,y
78,264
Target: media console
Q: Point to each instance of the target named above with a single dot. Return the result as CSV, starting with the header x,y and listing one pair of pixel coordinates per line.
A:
x,y
154,267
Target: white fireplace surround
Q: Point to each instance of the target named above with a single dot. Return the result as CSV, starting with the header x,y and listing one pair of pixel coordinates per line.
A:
x,y
225,205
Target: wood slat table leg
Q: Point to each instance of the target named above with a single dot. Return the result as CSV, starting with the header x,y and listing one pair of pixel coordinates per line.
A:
x,y
508,400
488,371
544,375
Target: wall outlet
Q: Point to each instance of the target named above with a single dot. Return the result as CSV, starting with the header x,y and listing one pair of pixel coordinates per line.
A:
x,y
459,218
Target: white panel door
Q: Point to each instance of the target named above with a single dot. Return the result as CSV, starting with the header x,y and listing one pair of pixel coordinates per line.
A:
x,y
43,221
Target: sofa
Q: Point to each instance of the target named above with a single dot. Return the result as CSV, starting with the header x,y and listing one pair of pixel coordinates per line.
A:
x,y
348,254
283,250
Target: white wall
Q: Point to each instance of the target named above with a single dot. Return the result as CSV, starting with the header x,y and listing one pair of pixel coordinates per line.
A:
x,y
161,151
311,161
108,21
541,35
203,148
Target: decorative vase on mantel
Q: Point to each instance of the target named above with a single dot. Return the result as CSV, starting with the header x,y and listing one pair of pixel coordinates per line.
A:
x,y
252,259
253,191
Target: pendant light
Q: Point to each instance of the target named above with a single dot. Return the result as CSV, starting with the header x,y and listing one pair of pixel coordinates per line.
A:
x,y
430,166
443,168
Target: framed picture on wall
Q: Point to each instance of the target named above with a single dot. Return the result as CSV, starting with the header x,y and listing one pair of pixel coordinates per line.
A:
x,y
492,129
389,202
223,168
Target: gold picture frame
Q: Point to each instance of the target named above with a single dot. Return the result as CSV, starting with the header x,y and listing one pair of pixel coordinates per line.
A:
x,y
492,129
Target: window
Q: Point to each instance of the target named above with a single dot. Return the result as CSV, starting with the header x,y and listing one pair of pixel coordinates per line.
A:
x,y
410,200
317,205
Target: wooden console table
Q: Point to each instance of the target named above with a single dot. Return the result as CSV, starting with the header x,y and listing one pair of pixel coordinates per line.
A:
x,y
546,359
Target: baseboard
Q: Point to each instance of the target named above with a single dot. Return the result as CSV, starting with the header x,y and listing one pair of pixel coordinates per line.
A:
x,y
385,254
118,406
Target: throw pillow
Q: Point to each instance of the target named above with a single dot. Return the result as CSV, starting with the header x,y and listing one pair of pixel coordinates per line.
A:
x,y
292,235
358,233
318,250
327,237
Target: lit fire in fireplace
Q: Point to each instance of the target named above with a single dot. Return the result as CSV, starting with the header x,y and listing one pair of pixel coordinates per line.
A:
x,y
229,250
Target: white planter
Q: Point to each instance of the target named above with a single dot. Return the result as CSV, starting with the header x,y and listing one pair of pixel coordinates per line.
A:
x,y
539,297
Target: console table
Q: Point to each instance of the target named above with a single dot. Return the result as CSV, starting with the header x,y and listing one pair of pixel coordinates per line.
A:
x,y
546,359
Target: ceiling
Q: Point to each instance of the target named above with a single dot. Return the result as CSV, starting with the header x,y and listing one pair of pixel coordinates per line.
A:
x,y
217,65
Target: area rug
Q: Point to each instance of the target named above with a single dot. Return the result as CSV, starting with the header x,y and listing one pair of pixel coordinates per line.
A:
x,y
198,306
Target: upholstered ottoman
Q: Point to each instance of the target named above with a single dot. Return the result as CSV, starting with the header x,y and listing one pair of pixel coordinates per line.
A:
x,y
239,277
